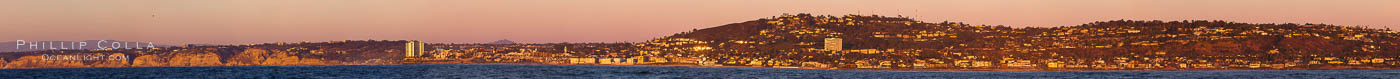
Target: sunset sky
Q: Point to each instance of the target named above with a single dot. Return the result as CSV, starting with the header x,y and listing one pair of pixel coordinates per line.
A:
x,y
545,21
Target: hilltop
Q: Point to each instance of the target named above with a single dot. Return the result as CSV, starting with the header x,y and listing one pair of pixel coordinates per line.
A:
x,y
878,32
883,38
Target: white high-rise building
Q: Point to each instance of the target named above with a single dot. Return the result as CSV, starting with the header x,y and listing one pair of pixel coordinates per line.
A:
x,y
413,49
832,44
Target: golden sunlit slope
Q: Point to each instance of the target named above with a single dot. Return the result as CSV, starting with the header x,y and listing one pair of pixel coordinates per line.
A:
x,y
804,32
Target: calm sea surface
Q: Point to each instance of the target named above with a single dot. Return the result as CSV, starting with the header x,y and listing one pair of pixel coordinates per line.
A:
x,y
647,72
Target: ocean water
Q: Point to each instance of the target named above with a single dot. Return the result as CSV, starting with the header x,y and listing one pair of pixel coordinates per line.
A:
x,y
472,71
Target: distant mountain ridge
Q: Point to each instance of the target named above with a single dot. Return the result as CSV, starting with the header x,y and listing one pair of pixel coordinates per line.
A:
x,y
503,41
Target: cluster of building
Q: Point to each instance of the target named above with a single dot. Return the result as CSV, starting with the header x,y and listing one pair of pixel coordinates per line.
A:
x,y
874,42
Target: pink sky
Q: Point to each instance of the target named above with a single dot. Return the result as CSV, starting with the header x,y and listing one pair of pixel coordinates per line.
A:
x,y
542,21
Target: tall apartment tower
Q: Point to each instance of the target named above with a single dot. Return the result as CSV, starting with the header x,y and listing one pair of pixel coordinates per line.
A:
x,y
832,44
413,49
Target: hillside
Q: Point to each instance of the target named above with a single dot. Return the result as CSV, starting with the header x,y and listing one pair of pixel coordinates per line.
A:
x,y
882,38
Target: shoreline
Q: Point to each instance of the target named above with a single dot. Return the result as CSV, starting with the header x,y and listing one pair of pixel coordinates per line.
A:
x,y
843,69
